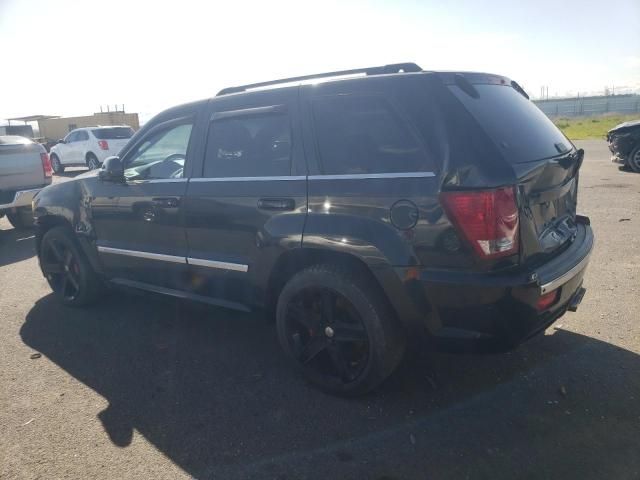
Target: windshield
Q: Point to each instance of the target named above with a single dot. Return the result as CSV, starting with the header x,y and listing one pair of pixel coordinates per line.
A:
x,y
113,133
518,128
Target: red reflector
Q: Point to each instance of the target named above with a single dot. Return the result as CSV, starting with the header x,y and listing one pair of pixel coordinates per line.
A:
x,y
104,145
546,300
46,164
488,219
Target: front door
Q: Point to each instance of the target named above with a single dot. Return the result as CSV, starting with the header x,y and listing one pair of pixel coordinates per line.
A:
x,y
68,149
144,242
247,202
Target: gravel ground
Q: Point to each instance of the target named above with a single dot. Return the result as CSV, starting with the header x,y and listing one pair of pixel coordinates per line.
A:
x,y
143,387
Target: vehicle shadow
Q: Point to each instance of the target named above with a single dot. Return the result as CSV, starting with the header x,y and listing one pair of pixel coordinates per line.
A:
x,y
16,245
211,390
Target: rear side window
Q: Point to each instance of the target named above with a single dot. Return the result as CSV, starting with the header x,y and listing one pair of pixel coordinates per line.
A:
x,y
517,127
365,134
113,133
249,146
82,136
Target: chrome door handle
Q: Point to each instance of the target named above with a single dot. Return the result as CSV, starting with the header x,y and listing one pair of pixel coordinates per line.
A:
x,y
276,204
168,202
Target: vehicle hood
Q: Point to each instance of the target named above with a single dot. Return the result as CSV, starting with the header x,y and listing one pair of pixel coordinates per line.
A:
x,y
89,174
625,125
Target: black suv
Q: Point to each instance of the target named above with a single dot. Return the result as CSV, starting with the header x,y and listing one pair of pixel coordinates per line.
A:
x,y
356,209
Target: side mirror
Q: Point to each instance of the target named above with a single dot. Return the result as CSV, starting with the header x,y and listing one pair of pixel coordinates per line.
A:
x,y
62,140
112,170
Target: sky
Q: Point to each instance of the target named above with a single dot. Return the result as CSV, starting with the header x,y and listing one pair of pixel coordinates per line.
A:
x,y
69,57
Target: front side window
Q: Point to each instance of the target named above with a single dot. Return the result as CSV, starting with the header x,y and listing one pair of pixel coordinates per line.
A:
x,y
161,155
365,134
249,146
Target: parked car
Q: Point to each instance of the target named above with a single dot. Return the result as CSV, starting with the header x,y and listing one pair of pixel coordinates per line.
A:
x,y
88,147
624,143
24,170
355,209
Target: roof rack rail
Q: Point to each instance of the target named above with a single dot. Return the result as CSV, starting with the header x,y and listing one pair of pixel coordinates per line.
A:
x,y
385,69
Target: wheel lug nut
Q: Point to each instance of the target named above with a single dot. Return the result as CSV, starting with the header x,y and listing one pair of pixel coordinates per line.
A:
x,y
328,331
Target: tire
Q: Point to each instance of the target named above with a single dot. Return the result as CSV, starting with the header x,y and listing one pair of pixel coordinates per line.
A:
x,y
346,346
22,219
58,168
634,159
66,268
92,161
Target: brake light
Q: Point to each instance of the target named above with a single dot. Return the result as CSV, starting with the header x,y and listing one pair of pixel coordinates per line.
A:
x,y
104,145
46,164
546,300
487,219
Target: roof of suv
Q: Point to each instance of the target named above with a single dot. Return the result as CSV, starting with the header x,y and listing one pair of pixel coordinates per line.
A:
x,y
395,68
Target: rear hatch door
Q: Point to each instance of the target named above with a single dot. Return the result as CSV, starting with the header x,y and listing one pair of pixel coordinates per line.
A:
x,y
20,164
116,137
545,164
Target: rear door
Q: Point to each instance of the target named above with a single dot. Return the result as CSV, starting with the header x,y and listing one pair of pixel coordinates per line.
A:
x,y
247,202
373,178
81,146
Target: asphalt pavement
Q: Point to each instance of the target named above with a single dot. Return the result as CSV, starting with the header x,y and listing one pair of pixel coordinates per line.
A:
x,y
143,387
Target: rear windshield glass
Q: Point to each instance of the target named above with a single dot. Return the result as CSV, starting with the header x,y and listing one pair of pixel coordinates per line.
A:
x,y
113,133
518,128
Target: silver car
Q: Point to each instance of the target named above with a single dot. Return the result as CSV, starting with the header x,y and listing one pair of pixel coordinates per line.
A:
x,y
24,170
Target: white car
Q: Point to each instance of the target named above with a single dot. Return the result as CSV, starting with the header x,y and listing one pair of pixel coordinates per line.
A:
x,y
89,146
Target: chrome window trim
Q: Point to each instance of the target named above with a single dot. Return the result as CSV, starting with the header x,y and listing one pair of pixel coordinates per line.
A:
x,y
157,180
225,114
354,176
248,179
146,255
236,267
358,176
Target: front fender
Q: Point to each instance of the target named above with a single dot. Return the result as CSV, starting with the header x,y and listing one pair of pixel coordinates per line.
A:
x,y
68,204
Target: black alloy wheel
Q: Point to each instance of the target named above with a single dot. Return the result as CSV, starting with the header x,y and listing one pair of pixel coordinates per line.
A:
x,y
634,159
338,329
61,269
326,334
64,266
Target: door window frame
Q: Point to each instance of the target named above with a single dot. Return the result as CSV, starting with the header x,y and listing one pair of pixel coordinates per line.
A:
x,y
395,111
280,109
162,126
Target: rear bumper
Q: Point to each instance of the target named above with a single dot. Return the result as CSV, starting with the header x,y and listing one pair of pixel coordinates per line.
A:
x,y
478,311
21,198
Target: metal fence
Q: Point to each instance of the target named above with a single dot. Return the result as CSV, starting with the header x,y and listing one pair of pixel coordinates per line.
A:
x,y
572,107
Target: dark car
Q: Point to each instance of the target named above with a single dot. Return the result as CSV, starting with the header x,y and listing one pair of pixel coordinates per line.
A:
x,y
359,210
624,143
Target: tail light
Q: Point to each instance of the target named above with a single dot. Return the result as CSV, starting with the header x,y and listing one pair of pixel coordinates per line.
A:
x,y
546,300
104,145
46,164
487,219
